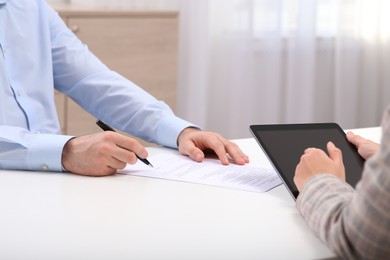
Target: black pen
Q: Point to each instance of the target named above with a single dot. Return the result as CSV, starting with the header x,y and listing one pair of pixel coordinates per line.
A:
x,y
106,127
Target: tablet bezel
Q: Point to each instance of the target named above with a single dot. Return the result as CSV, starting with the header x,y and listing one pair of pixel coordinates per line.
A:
x,y
308,126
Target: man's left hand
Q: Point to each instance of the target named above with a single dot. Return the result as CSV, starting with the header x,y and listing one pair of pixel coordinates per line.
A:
x,y
194,142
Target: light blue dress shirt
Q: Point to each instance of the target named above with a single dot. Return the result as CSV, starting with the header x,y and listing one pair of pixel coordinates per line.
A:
x,y
38,53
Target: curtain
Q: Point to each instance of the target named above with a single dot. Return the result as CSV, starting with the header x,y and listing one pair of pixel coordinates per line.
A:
x,y
244,62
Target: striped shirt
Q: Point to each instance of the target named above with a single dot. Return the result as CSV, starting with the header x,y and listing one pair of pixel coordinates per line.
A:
x,y
354,223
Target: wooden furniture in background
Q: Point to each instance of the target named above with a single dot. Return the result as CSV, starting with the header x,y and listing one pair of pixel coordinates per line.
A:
x,y
140,45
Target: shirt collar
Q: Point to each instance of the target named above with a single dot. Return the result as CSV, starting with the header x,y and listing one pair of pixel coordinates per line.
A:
x,y
3,2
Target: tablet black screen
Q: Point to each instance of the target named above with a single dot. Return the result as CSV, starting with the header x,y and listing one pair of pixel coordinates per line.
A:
x,y
285,144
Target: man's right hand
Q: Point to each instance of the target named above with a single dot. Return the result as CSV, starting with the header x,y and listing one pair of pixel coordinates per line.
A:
x,y
315,161
101,154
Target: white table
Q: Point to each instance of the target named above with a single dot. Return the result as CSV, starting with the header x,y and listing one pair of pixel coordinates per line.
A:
x,y
65,216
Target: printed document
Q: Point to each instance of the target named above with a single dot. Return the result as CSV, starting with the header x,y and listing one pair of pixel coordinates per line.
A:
x,y
249,177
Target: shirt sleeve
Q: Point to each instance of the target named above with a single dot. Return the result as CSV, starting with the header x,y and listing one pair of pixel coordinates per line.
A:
x,y
106,94
355,224
23,150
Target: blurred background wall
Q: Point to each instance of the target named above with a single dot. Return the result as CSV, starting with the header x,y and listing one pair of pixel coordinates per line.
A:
x,y
245,62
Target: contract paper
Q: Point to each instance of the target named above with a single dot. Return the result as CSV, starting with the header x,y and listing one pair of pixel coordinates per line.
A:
x,y
249,177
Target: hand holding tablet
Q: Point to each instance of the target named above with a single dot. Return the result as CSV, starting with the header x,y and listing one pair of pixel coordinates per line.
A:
x,y
284,145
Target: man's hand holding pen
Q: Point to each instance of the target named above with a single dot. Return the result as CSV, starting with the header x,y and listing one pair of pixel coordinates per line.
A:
x,y
106,127
101,154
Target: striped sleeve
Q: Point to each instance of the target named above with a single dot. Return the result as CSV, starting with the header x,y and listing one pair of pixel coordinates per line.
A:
x,y
355,224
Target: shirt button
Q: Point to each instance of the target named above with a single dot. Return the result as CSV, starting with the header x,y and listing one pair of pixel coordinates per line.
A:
x,y
18,93
45,167
37,132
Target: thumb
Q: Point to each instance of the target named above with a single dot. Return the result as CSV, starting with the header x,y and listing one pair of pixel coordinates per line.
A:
x,y
334,153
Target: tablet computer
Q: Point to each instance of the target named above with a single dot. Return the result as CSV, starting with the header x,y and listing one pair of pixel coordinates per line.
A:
x,y
284,144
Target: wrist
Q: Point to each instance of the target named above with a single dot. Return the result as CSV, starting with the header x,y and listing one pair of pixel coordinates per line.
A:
x,y
65,155
185,132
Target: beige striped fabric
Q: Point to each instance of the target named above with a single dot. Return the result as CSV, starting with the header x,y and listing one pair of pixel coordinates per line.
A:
x,y
355,224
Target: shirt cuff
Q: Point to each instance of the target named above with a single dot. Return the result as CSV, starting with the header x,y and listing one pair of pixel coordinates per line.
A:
x,y
45,152
169,130
320,189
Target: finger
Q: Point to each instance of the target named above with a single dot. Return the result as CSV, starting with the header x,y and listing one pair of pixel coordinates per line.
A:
x,y
351,137
124,155
109,171
334,153
116,152
116,164
103,171
190,149
132,145
354,139
108,158
309,150
237,155
213,142
218,146
116,147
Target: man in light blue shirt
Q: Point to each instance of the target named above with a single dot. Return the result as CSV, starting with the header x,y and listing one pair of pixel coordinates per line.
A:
x,y
38,54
